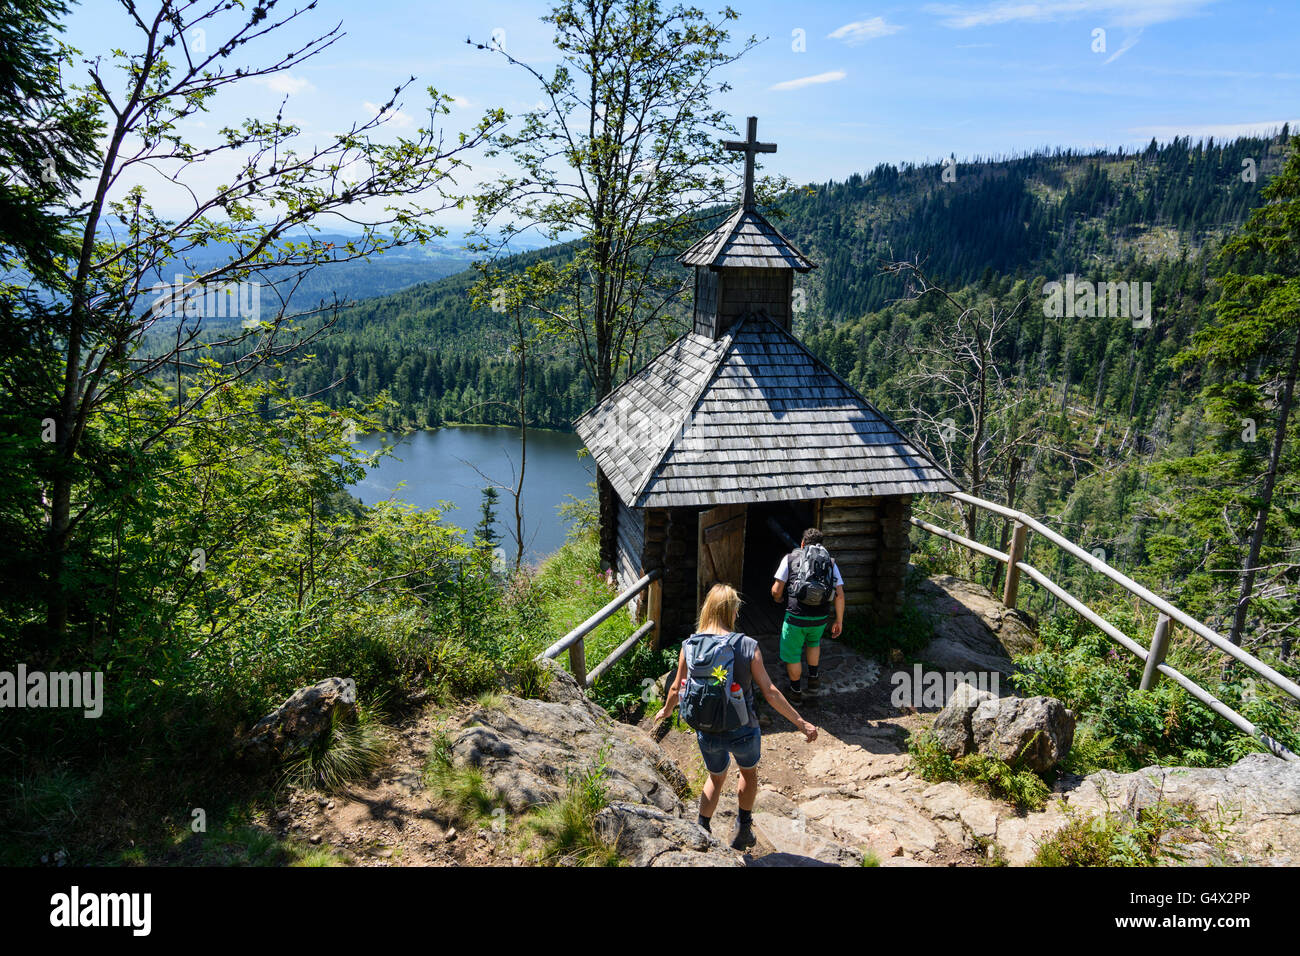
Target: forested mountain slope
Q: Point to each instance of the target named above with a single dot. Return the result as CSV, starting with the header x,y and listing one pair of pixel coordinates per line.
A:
x,y
1153,216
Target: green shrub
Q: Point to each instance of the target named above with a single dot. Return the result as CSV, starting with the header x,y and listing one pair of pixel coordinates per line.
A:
x,y
909,632
1150,837
1126,728
931,761
1022,788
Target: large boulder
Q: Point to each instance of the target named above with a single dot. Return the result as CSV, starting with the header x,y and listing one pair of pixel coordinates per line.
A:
x,y
952,726
1034,732
301,722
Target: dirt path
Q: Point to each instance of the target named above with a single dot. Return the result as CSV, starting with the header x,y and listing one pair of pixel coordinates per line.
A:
x,y
849,792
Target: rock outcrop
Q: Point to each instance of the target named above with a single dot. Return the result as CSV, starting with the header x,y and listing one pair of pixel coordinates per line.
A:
x,y
1035,733
301,722
1256,801
973,630
527,750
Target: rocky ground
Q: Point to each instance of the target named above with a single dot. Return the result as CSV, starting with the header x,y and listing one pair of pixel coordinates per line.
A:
x,y
850,793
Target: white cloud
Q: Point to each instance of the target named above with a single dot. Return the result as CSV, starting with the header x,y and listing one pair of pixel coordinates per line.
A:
x,y
1217,130
1125,13
862,30
831,77
459,102
286,83
395,118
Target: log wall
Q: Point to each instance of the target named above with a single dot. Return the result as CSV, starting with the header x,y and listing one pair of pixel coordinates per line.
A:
x,y
631,545
869,540
671,544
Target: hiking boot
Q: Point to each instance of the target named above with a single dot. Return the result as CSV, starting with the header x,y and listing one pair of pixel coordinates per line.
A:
x,y
814,683
795,697
742,837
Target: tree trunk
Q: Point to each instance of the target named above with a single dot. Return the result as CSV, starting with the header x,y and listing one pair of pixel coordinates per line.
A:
x,y
1266,503
523,443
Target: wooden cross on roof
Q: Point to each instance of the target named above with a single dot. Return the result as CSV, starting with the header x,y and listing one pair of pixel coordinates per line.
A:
x,y
750,146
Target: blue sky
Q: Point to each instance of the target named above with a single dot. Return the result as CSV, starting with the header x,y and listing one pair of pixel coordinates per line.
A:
x,y
840,86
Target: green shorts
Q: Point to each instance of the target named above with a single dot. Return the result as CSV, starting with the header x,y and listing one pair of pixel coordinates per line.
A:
x,y
795,637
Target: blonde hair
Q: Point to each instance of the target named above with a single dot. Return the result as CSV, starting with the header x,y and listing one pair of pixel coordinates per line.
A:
x,y
720,610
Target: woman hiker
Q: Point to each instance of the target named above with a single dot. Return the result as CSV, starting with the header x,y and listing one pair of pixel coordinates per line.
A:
x,y
718,617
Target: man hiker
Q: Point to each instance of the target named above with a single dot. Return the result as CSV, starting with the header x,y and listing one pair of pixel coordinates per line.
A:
x,y
717,669
810,583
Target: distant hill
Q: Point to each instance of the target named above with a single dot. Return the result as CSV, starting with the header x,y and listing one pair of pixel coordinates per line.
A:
x,y
1046,214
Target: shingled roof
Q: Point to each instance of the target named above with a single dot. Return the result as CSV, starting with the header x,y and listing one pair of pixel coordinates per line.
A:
x,y
746,239
750,417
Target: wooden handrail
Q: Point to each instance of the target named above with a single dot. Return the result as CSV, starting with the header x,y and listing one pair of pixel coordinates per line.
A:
x,y
617,653
1128,584
574,641
1153,658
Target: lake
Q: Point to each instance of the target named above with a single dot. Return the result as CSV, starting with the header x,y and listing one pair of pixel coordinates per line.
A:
x,y
439,465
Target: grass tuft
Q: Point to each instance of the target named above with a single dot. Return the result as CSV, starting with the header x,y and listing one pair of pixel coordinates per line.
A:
x,y
461,792
351,752
567,827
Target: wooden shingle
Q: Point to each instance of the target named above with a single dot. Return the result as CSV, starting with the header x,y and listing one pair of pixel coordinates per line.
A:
x,y
745,238
751,417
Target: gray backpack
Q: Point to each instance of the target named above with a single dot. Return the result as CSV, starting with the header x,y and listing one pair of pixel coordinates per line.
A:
x,y
812,575
712,699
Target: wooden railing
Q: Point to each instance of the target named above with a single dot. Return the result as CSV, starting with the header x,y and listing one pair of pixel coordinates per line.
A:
x,y
1152,656
575,640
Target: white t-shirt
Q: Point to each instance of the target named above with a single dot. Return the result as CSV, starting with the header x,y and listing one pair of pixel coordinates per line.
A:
x,y
783,572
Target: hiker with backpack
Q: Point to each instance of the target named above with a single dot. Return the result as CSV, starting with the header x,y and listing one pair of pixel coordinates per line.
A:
x,y
717,669
809,581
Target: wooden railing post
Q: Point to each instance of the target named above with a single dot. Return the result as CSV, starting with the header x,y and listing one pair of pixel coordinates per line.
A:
x,y
655,610
1156,654
1011,585
578,661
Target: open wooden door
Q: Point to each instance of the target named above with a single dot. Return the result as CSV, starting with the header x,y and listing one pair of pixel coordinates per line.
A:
x,y
722,548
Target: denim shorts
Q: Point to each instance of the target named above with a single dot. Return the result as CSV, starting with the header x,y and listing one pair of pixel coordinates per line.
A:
x,y
717,749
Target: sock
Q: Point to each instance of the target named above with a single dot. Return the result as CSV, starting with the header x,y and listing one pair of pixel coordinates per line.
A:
x,y
704,822
794,685
745,817
812,670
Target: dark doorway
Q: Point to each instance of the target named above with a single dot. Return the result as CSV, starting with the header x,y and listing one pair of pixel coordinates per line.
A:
x,y
773,531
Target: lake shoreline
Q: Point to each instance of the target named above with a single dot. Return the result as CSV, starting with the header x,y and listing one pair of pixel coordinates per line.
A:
x,y
426,467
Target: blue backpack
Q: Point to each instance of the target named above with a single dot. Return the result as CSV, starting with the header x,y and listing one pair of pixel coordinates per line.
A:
x,y
708,702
